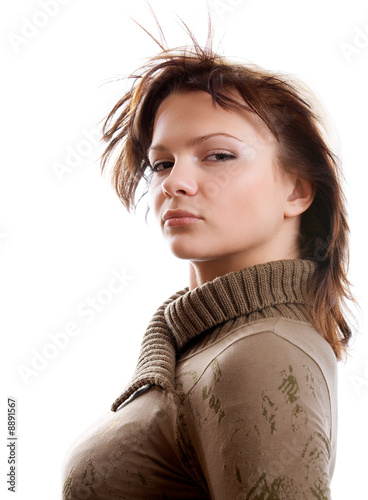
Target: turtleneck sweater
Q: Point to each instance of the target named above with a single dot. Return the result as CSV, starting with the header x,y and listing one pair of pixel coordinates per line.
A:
x,y
234,396
278,288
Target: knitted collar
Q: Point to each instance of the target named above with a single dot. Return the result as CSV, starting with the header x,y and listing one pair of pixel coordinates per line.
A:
x,y
187,314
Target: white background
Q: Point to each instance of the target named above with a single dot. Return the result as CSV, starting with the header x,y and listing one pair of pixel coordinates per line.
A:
x,y
62,239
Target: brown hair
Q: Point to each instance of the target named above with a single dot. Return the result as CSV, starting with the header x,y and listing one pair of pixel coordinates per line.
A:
x,y
288,113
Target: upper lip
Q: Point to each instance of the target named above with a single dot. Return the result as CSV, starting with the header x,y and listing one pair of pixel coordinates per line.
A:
x,y
170,214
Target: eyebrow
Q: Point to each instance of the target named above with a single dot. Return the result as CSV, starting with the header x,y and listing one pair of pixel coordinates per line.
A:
x,y
192,142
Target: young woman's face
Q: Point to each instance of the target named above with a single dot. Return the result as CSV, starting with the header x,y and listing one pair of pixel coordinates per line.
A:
x,y
219,166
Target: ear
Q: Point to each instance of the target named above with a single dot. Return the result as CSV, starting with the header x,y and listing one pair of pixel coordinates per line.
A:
x,y
300,198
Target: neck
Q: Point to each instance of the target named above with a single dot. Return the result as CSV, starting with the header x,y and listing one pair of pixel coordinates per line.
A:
x,y
200,272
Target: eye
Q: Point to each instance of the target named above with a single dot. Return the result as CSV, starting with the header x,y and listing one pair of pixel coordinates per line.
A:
x,y
221,156
161,165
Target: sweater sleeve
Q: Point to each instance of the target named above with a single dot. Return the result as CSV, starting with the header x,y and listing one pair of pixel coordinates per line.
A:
x,y
259,420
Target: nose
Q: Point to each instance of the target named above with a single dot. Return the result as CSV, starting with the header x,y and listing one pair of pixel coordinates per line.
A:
x,y
181,180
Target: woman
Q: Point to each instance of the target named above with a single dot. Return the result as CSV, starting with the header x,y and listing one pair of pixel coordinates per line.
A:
x,y
234,395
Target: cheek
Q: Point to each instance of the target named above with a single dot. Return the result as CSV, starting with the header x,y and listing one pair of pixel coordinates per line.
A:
x,y
250,190
253,197
155,194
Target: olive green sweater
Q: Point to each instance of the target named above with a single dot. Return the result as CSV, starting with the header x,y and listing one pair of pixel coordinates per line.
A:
x,y
234,397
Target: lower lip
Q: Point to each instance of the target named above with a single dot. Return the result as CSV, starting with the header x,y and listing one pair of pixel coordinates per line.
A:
x,y
181,221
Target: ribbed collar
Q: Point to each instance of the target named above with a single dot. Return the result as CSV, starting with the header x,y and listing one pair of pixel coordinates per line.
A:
x,y
187,314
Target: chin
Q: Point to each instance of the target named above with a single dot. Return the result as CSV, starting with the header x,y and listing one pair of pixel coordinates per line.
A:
x,y
188,252
180,253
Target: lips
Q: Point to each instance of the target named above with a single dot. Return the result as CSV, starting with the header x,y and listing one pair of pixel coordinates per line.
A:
x,y
174,214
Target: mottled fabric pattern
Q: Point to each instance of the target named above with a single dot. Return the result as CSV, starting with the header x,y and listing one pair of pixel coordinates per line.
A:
x,y
267,401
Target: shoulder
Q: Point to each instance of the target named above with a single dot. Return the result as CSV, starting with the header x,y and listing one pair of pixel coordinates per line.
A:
x,y
261,357
266,339
274,342
278,369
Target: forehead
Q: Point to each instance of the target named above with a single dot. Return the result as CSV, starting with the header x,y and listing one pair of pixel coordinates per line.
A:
x,y
195,110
